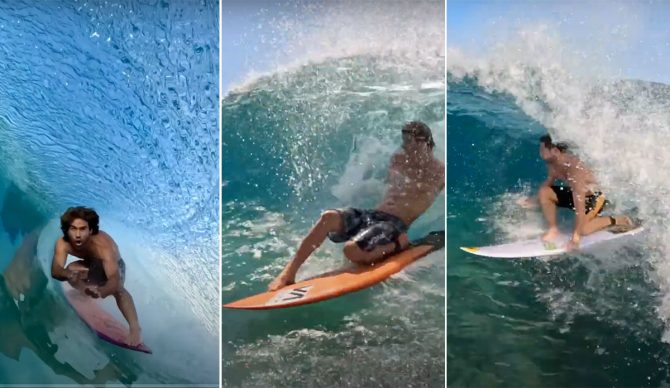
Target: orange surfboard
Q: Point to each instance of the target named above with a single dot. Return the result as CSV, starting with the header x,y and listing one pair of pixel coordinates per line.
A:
x,y
341,281
100,321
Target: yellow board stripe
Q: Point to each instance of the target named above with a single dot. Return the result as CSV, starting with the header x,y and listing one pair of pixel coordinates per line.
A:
x,y
470,249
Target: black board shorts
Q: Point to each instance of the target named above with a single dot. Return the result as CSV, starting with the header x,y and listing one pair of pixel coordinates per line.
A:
x,y
593,206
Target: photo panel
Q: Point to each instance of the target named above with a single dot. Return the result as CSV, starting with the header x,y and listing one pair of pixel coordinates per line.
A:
x,y
109,193
333,202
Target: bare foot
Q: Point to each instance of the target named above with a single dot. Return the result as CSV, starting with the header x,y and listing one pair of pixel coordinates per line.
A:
x,y
572,245
622,224
551,234
134,336
623,220
281,281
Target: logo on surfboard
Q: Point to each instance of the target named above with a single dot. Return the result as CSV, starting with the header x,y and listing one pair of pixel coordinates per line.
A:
x,y
550,245
289,295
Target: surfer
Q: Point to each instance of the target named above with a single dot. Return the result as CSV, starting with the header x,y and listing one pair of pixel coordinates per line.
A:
x,y
415,178
581,194
101,271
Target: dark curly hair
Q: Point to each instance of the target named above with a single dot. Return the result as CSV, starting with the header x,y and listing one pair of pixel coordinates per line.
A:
x,y
419,130
548,143
87,214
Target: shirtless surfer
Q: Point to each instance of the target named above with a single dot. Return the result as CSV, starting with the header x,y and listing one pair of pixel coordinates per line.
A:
x,y
581,194
101,272
415,178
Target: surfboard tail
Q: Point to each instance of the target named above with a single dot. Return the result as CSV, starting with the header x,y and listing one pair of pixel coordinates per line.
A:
x,y
470,249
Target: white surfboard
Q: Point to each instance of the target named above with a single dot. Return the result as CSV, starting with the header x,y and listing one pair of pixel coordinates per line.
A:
x,y
537,248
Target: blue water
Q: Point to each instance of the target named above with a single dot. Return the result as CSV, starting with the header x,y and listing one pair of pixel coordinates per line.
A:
x,y
577,320
316,134
112,106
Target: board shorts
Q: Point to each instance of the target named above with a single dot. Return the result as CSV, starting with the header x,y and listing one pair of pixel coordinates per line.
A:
x,y
368,228
96,271
594,203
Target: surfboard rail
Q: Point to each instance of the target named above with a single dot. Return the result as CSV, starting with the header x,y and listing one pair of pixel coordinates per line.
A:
x,y
341,281
538,248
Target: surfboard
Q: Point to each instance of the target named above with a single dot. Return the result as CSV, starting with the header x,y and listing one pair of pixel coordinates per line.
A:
x,y
537,248
103,324
342,281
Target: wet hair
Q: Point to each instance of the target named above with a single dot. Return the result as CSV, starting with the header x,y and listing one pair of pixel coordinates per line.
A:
x,y
419,129
87,214
546,140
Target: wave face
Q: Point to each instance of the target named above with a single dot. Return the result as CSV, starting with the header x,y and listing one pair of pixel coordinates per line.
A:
x,y
579,320
111,106
318,133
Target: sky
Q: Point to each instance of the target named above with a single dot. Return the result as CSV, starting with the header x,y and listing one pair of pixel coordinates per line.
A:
x,y
244,47
261,35
632,36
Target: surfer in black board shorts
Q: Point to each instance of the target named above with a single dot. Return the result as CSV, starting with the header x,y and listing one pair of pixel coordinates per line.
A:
x,y
581,194
415,178
101,271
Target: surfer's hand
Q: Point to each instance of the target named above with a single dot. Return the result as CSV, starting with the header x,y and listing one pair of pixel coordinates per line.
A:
x,y
92,292
281,281
276,284
572,245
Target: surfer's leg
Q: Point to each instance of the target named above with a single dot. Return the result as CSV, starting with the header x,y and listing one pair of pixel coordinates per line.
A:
x,y
548,201
96,273
356,255
375,243
330,222
600,223
127,307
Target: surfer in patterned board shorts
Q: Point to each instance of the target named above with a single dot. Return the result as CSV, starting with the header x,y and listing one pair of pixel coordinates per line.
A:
x,y
101,271
415,178
581,194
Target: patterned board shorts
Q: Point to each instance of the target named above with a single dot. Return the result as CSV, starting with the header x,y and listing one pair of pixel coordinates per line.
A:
x,y
368,228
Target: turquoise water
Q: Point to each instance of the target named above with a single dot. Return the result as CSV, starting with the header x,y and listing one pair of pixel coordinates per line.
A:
x,y
311,136
114,107
577,320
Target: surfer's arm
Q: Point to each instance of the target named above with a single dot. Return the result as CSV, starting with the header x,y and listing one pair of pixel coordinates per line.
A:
x,y
58,270
533,201
393,168
551,178
440,168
